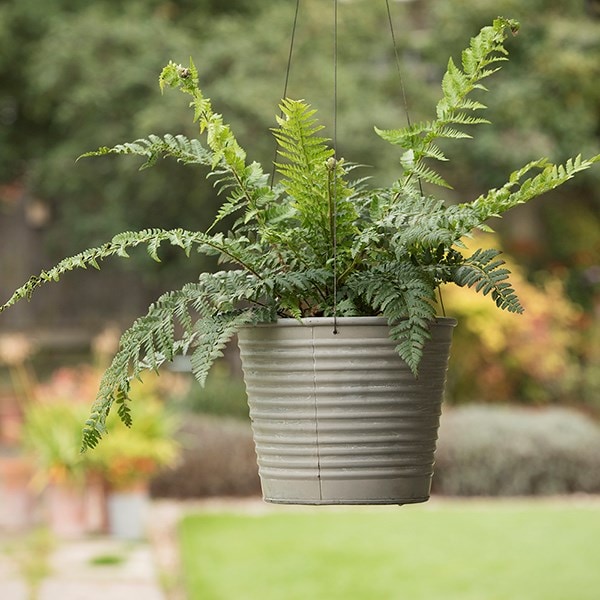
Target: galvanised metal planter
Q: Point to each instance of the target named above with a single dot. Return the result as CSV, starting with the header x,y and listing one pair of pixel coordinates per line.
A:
x,y
338,418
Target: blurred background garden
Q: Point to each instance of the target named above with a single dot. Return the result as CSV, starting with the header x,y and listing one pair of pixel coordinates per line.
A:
x,y
522,413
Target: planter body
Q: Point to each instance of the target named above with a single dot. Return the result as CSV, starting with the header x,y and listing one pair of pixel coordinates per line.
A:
x,y
338,418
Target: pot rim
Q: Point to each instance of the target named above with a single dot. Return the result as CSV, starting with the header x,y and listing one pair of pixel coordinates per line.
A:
x,y
341,321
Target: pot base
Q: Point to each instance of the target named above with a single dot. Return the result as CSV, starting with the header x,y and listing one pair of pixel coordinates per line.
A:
x,y
352,492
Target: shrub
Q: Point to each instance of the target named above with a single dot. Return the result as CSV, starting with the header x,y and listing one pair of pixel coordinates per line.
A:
x,y
223,395
483,450
52,435
218,459
504,451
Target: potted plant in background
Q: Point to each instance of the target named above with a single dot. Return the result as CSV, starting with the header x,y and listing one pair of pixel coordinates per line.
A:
x,y
16,471
323,272
129,458
51,431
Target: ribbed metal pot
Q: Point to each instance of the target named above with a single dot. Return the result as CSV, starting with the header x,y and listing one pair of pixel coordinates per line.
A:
x,y
338,418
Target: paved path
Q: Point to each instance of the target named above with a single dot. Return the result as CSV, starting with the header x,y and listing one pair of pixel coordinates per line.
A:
x,y
89,569
98,568
105,568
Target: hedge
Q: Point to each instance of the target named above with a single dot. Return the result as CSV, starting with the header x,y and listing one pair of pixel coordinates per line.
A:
x,y
483,450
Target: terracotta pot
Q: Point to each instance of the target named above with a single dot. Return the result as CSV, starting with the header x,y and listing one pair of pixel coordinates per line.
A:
x,y
66,509
16,498
11,421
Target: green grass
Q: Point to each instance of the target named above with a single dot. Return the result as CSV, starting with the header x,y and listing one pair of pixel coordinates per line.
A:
x,y
442,551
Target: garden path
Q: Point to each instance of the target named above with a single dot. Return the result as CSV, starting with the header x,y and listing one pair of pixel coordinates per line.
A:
x,y
96,568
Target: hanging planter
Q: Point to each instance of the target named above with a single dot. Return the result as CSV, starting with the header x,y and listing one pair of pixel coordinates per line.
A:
x,y
339,418
316,242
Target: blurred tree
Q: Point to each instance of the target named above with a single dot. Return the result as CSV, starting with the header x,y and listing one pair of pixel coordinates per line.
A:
x,y
76,76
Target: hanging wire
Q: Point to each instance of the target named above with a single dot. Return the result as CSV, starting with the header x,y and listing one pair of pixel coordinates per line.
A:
x,y
287,79
335,157
397,57
399,70
406,111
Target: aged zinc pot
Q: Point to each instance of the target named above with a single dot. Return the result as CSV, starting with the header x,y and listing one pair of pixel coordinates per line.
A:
x,y
339,418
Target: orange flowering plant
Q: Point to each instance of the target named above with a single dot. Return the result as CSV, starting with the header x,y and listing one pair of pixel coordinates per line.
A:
x,y
52,433
129,457
532,358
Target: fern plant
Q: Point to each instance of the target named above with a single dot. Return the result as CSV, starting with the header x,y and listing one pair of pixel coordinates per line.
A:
x,y
319,242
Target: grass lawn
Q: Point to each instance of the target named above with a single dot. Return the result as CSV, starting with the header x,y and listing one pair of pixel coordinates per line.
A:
x,y
475,550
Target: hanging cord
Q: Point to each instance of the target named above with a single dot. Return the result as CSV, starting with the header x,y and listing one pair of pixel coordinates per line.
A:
x,y
397,56
287,79
399,70
406,111
335,155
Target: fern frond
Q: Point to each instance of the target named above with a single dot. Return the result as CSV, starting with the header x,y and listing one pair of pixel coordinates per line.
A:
x,y
301,292
232,250
154,147
315,182
212,334
517,190
207,314
487,275
246,183
405,294
424,173
484,50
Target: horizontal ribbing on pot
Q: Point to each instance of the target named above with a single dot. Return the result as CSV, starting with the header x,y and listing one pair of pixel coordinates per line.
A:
x,y
333,414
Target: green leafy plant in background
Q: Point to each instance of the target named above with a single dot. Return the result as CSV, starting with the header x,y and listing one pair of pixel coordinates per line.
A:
x,y
319,242
51,432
